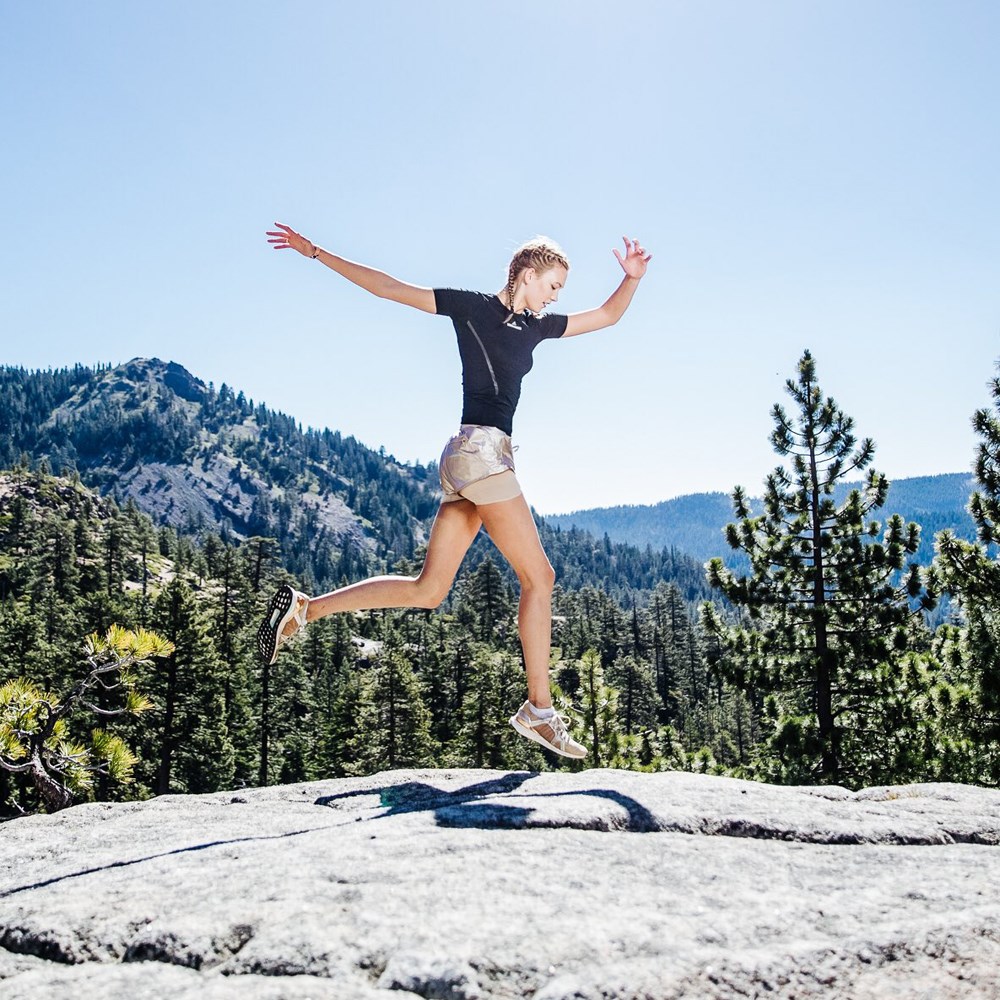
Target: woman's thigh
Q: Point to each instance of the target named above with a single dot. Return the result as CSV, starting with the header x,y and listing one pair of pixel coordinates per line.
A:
x,y
512,528
456,525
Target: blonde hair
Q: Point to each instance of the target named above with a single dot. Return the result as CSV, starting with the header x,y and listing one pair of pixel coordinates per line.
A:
x,y
541,253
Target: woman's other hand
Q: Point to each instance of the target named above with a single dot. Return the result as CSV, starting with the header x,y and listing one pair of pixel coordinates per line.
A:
x,y
635,260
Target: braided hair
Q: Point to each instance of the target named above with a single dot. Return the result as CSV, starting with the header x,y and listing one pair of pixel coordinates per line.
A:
x,y
541,253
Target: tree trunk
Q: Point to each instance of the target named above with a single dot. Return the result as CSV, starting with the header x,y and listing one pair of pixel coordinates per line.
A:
x,y
265,684
595,736
167,749
825,660
54,795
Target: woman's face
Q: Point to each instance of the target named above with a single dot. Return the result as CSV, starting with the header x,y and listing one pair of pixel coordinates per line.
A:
x,y
541,288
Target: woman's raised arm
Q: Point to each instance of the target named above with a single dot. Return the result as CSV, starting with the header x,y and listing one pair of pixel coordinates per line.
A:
x,y
377,282
634,265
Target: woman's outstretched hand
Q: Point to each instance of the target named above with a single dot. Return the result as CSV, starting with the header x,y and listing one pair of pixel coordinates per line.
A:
x,y
635,260
289,239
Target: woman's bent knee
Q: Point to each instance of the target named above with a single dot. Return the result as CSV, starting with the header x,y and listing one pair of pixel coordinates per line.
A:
x,y
429,593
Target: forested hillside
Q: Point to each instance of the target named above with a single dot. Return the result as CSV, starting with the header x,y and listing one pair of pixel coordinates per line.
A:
x,y
355,694
199,458
182,507
694,524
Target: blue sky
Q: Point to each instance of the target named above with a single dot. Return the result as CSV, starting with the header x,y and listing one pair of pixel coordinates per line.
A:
x,y
807,174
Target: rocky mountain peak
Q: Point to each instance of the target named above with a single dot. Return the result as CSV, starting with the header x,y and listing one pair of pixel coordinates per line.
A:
x,y
169,373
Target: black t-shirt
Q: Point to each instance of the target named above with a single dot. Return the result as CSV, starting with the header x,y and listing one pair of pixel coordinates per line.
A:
x,y
495,355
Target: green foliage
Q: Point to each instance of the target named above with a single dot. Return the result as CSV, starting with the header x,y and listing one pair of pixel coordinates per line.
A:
x,y
195,751
826,620
35,738
393,722
640,679
970,572
598,727
484,737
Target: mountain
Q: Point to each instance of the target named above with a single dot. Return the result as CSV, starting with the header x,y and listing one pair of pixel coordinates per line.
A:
x,y
694,524
198,458
195,458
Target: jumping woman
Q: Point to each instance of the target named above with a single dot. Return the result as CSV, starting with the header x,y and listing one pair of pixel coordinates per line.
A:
x,y
497,334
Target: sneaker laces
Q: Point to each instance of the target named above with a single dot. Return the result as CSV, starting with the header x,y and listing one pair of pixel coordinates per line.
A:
x,y
558,726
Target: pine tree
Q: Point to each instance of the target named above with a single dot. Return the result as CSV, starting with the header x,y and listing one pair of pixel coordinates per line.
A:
x,y
970,571
671,627
35,736
491,602
393,723
827,618
637,695
192,749
485,737
599,728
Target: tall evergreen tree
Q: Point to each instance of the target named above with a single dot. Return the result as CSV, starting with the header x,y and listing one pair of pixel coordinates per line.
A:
x,y
192,750
393,722
598,704
481,739
828,619
970,571
637,695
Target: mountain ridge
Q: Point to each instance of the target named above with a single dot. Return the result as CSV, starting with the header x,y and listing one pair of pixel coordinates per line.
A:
x,y
694,523
199,458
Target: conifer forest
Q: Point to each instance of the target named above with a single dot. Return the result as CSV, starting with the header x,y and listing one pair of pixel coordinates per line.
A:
x,y
146,518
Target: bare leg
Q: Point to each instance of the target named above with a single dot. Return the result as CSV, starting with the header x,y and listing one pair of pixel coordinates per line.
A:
x,y
455,526
513,531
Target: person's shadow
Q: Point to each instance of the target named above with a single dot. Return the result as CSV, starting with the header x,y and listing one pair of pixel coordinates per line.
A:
x,y
464,807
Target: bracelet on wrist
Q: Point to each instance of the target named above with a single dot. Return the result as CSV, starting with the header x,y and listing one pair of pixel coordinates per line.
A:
x,y
315,252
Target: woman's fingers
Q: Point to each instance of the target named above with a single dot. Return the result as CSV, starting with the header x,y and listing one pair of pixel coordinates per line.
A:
x,y
287,239
637,248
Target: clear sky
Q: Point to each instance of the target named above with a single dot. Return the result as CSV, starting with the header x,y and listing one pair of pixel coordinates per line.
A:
x,y
806,174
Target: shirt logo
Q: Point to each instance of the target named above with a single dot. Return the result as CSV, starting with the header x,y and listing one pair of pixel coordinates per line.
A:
x,y
513,325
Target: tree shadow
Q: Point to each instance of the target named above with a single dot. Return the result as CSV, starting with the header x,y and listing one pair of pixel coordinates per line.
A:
x,y
153,857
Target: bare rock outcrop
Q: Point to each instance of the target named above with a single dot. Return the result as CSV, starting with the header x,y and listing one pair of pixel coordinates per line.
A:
x,y
465,884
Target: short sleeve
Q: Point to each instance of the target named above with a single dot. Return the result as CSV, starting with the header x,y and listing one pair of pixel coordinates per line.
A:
x,y
552,326
453,301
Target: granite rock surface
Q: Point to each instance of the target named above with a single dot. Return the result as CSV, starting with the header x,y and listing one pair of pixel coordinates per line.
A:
x,y
471,885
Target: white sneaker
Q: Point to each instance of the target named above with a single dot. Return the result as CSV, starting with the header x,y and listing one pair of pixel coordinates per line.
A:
x,y
551,732
287,605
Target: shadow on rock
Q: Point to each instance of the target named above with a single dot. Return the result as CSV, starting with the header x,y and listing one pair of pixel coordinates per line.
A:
x,y
464,807
415,796
150,857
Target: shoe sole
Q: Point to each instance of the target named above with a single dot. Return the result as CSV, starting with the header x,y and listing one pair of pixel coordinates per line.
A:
x,y
279,612
530,734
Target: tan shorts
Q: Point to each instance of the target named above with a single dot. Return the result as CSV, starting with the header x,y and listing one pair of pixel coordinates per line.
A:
x,y
477,464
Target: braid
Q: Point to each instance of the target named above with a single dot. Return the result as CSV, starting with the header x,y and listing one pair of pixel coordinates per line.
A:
x,y
541,254
512,272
